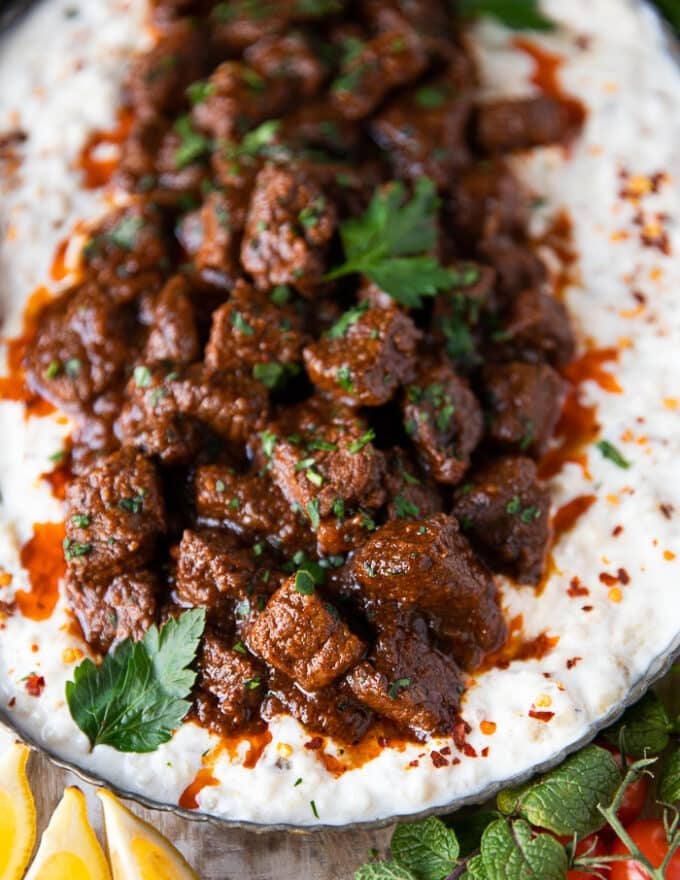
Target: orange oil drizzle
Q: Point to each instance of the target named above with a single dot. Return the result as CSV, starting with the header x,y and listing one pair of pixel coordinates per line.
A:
x,y
42,556
518,648
545,76
98,169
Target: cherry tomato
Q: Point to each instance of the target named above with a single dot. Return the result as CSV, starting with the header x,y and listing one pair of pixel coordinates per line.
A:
x,y
650,837
635,796
594,846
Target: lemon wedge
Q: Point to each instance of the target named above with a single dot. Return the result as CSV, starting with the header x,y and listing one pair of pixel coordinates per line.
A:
x,y
17,813
137,851
69,849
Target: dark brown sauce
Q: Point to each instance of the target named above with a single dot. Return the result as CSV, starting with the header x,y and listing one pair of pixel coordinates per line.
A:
x,y
518,648
545,76
99,169
43,558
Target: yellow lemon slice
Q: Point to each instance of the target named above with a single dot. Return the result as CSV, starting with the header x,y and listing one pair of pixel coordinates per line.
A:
x,y
137,851
69,849
17,813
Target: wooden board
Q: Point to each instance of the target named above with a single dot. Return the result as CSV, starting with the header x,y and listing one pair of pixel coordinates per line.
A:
x,y
222,854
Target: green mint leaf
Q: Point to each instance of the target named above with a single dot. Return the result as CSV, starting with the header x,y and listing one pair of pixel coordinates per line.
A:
x,y
610,451
428,849
135,698
511,852
644,727
515,14
669,784
476,869
565,800
469,829
383,871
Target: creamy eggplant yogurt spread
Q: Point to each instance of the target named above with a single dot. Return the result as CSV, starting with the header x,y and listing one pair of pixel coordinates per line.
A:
x,y
353,326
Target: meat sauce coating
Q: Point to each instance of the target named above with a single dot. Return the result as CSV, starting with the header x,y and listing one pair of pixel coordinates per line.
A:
x,y
334,471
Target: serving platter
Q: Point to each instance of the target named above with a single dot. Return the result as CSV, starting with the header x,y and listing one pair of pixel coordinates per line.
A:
x,y
551,175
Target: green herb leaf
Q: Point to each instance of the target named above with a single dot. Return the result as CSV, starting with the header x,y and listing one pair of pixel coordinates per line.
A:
x,y
136,698
669,784
81,520
271,375
515,14
403,507
644,727
469,829
304,582
511,852
383,871
198,91
124,234
610,451
428,849
401,684
357,445
566,799
268,442
193,144
389,241
351,316
313,511
142,376
240,324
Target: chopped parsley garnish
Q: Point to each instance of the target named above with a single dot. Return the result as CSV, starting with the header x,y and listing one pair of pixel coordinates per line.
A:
x,y
431,97
390,241
297,782
271,375
72,367
198,91
52,370
268,442
193,145
399,685
81,520
124,234
610,451
252,683
305,463
311,214
357,445
514,14
280,295
241,325
142,376
344,379
304,582
234,504
443,419
404,508
529,514
338,508
132,505
514,505
314,809
313,512
351,316
239,647
72,549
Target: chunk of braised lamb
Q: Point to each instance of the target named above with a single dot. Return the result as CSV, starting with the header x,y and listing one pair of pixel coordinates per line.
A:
x,y
322,457
127,252
237,24
302,636
233,683
524,403
173,335
237,99
212,235
410,495
423,133
370,71
522,123
487,200
158,78
444,420
290,222
80,348
428,17
332,711
318,124
409,682
252,505
94,434
365,356
516,265
504,511
111,611
181,167
429,564
115,515
251,332
537,327
289,57
339,534
137,169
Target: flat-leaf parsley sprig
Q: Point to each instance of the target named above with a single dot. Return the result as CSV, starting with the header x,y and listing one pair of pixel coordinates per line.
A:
x,y
136,698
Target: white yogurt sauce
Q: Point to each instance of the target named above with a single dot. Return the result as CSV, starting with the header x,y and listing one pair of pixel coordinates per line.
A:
x,y
59,79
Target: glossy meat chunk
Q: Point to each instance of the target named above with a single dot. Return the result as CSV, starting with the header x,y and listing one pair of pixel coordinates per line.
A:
x,y
507,125
289,58
173,335
538,326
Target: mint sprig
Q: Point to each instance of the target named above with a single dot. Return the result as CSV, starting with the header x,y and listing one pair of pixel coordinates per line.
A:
x,y
136,698
511,851
644,729
428,849
669,784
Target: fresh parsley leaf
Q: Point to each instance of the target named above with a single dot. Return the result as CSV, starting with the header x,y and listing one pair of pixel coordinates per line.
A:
x,y
383,871
566,799
193,145
669,784
198,91
389,242
351,316
610,451
240,324
403,507
304,582
357,445
137,696
511,852
271,375
645,727
401,684
313,512
428,849
268,442
515,14
124,234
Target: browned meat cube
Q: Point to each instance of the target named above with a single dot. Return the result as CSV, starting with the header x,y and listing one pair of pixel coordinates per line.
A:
x,y
428,17
338,535
173,336
505,511
137,167
424,133
212,235
112,611
428,564
522,123
410,495
538,327
290,222
365,356
443,418
517,267
80,348
252,505
322,458
126,251
409,682
371,70
237,99
94,433
487,200
457,312
237,24
115,514
524,403
233,682
158,77
302,636
289,58
331,711
319,125
250,332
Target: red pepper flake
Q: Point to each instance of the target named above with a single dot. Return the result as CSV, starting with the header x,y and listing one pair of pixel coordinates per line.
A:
x,y
667,510
546,674
616,531
455,761
624,577
586,607
35,685
35,648
576,588
608,579
413,763
469,750
12,703
446,750
572,661
541,716
438,759
460,730
485,752
314,743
